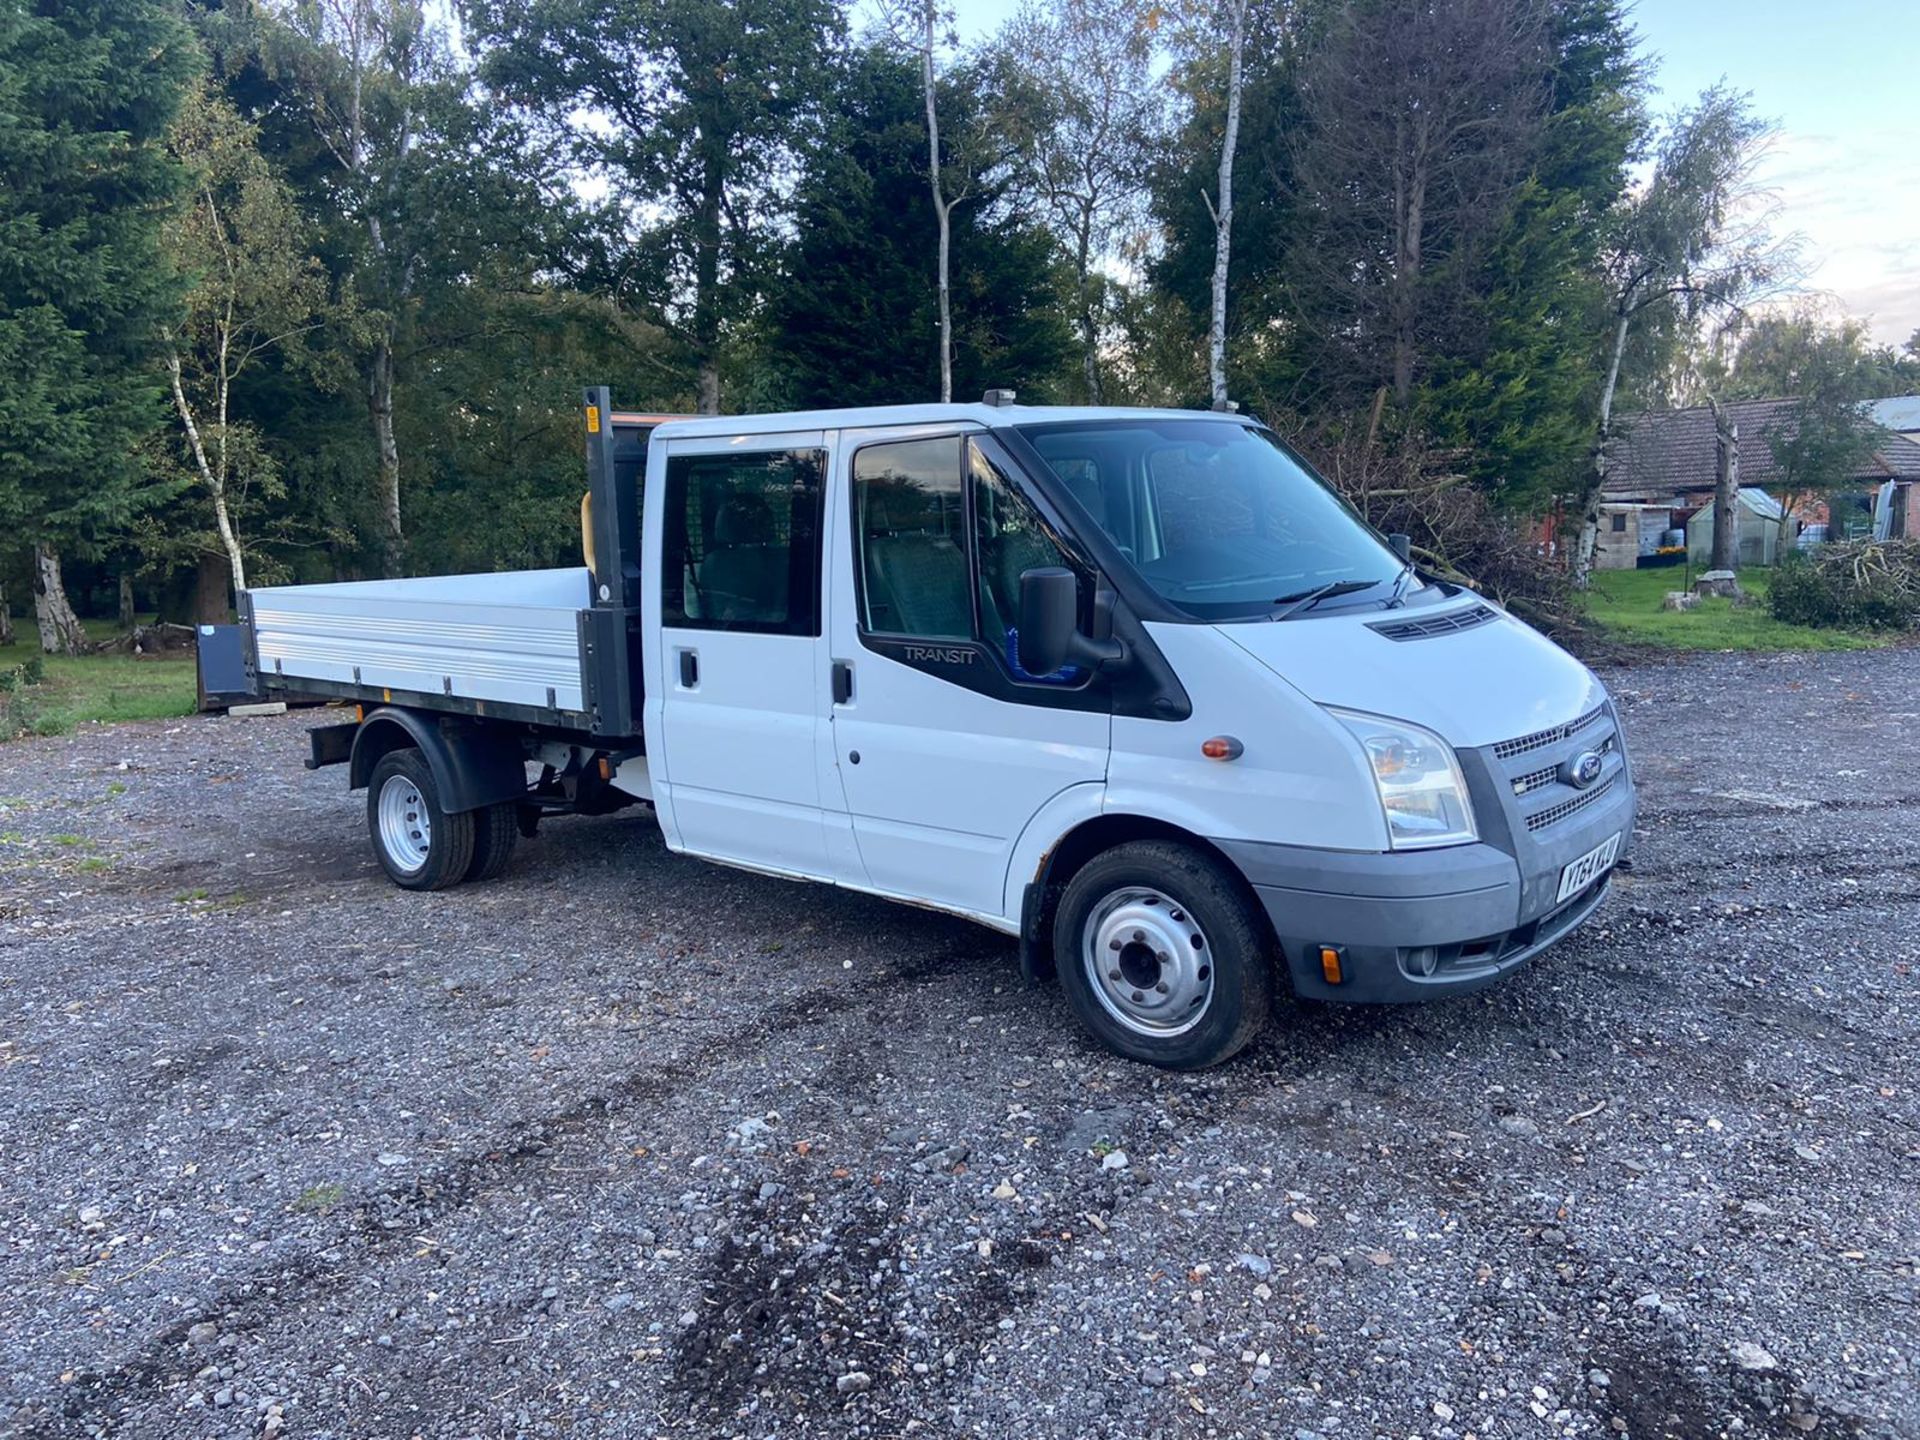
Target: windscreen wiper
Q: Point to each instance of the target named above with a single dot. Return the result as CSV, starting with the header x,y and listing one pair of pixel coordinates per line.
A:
x,y
1307,599
1397,599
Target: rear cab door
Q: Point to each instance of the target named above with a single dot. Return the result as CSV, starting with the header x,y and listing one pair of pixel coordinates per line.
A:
x,y
736,692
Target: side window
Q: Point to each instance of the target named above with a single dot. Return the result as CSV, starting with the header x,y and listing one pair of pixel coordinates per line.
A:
x,y
1008,539
741,550
910,516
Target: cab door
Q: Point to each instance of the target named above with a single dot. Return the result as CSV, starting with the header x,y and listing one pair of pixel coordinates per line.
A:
x,y
742,654
944,748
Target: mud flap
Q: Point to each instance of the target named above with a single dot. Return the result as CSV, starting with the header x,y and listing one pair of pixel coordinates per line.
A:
x,y
1036,959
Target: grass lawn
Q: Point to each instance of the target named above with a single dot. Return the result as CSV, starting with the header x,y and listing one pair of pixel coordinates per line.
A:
x,y
88,687
1626,603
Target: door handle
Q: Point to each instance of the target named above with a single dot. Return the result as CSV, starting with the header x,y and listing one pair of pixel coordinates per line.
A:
x,y
842,682
689,669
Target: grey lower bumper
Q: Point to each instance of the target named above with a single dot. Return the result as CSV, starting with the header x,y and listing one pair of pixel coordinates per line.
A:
x,y
1415,925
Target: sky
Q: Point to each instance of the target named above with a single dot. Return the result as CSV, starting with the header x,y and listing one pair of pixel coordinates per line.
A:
x,y
1841,80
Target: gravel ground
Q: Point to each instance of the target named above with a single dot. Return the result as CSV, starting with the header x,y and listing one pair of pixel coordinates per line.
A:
x,y
627,1145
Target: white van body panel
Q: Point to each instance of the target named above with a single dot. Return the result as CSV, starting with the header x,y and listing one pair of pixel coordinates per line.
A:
x,y
1473,687
1301,781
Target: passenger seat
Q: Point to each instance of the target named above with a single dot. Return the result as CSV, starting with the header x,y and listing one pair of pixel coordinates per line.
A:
x,y
916,580
743,578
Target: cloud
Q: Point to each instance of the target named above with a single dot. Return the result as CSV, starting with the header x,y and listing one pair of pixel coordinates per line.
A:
x,y
1860,221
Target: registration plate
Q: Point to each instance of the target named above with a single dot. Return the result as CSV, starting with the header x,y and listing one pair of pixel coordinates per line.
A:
x,y
1588,868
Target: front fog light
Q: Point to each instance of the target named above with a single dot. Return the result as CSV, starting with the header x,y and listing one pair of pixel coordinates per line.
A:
x,y
1419,781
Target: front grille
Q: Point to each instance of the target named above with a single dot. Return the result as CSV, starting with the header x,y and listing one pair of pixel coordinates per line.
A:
x,y
1554,814
1540,739
1445,623
1539,779
1535,780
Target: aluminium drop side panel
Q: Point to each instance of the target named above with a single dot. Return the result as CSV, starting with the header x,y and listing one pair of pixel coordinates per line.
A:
x,y
511,638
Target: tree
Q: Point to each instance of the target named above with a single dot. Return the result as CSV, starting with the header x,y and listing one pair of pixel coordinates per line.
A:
x,y
1683,240
257,290
87,90
1824,438
1780,353
690,112
1464,293
1220,204
1509,382
1726,487
921,28
369,73
1168,326
1423,119
1087,68
847,323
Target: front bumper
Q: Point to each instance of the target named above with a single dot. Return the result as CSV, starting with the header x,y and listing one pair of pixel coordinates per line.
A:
x,y
1416,925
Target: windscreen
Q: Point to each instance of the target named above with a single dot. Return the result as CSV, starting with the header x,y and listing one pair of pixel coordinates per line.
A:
x,y
1215,514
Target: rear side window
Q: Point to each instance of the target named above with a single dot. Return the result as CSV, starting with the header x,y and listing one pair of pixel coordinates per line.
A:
x,y
741,548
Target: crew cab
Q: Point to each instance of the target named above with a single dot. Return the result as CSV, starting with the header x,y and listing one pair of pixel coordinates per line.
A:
x,y
1135,686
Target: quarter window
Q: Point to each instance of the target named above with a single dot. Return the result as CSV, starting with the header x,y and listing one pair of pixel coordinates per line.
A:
x,y
741,550
1008,540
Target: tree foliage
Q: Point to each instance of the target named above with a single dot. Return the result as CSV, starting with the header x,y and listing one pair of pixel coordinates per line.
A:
x,y
690,112
850,319
87,90
256,290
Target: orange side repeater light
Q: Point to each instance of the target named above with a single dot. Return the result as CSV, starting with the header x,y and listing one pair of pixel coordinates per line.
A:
x,y
1330,964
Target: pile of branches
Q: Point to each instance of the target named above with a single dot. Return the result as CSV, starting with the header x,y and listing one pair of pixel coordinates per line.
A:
x,y
1405,485
161,639
1874,584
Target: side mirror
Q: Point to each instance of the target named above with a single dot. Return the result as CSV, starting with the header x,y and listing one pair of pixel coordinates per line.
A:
x,y
1050,637
1402,545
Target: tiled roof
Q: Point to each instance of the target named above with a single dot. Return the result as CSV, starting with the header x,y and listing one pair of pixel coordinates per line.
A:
x,y
1664,452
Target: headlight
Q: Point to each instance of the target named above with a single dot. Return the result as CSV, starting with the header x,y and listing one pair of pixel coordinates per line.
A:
x,y
1421,788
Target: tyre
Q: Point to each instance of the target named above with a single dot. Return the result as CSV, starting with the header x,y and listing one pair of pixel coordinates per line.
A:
x,y
495,828
1162,956
420,846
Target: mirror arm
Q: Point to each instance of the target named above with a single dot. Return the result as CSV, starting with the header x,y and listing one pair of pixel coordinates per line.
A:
x,y
1096,654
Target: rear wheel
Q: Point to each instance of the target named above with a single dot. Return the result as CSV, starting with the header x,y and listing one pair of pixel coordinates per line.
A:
x,y
1161,956
495,828
419,845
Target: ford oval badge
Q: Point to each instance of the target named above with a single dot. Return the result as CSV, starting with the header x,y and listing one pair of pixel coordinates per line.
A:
x,y
1583,769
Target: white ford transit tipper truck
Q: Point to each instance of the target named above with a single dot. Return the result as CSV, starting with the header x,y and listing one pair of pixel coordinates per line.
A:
x,y
1134,686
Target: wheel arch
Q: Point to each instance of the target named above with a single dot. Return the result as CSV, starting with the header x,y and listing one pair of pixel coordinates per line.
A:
x,y
471,767
1092,837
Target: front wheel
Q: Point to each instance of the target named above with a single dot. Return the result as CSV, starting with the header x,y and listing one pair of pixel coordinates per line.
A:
x,y
1161,956
419,845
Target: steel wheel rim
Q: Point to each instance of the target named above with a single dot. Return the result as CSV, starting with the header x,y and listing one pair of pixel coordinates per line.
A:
x,y
406,834
1148,962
